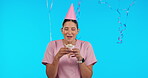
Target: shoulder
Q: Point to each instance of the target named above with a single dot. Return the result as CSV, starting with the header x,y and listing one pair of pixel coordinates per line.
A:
x,y
53,43
84,43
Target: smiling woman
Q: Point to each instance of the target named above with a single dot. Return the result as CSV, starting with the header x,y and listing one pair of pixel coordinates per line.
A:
x,y
69,57
70,30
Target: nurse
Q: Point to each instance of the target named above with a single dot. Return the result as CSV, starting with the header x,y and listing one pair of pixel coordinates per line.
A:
x,y
69,57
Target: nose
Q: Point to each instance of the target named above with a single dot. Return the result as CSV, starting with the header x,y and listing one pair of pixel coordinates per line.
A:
x,y
69,32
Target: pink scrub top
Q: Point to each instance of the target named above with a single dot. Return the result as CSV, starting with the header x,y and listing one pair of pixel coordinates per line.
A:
x,y
68,67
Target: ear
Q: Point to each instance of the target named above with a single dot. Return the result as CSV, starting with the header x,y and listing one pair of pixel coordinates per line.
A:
x,y
61,29
78,30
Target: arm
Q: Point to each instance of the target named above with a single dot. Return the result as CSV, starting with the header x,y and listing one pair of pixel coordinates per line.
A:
x,y
86,71
52,69
86,68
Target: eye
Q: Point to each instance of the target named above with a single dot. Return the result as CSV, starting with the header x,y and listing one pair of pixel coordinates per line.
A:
x,y
73,29
66,29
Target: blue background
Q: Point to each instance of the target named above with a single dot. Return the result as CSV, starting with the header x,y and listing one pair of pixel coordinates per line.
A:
x,y
25,33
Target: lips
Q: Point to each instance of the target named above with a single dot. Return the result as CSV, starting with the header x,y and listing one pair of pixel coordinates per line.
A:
x,y
69,36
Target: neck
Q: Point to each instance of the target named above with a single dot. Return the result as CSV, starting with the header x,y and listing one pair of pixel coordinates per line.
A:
x,y
69,42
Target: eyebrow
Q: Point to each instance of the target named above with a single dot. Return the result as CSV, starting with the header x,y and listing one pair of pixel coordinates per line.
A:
x,y
73,27
69,27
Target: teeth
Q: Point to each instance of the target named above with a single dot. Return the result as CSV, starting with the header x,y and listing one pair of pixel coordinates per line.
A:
x,y
69,36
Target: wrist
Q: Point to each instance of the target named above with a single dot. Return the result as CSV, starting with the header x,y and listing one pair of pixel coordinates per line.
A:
x,y
80,58
56,58
81,61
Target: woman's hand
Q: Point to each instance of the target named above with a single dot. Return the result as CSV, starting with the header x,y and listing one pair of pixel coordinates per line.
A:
x,y
76,53
62,51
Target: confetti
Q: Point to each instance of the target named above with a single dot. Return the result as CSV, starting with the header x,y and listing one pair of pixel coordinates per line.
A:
x,y
122,26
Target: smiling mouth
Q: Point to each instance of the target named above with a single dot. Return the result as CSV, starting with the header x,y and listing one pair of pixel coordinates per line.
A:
x,y
69,36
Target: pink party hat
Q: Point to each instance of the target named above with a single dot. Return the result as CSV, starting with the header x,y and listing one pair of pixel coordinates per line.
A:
x,y
71,13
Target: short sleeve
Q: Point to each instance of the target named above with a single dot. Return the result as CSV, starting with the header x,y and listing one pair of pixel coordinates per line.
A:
x,y
49,54
90,59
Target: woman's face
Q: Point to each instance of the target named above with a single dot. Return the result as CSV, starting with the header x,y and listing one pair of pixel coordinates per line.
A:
x,y
69,31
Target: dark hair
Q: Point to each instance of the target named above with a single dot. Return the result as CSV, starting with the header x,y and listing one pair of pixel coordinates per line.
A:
x,y
75,21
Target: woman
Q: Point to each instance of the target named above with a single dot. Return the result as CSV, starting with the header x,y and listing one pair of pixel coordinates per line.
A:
x,y
69,57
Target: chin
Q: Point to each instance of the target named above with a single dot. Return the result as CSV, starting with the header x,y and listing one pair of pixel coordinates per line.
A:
x,y
69,40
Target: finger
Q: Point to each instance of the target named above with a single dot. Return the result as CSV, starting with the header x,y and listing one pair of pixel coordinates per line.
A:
x,y
71,53
73,56
63,48
69,50
75,49
64,52
76,53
